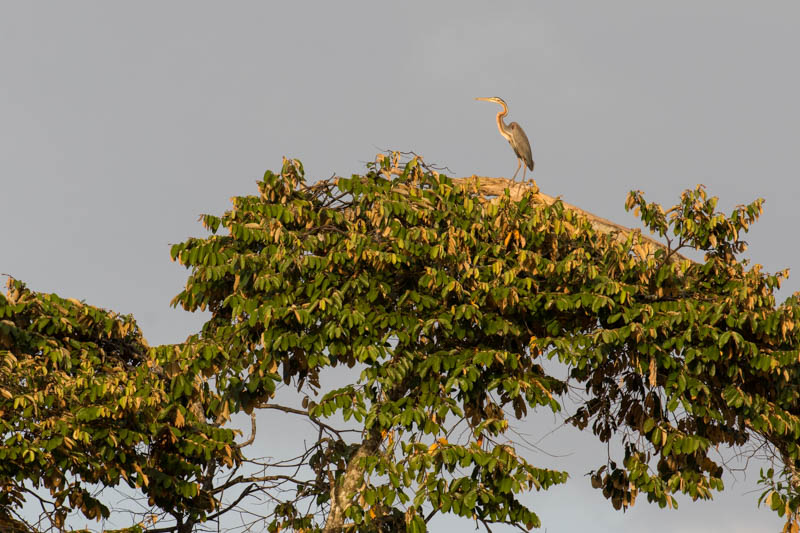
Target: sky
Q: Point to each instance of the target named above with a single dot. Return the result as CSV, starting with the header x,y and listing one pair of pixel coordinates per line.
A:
x,y
121,123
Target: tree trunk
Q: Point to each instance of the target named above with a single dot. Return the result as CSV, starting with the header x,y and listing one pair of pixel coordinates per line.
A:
x,y
342,492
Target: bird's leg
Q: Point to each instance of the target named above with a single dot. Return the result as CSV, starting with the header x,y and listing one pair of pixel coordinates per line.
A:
x,y
519,164
524,173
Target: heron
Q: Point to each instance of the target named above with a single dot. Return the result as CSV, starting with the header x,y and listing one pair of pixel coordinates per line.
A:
x,y
515,137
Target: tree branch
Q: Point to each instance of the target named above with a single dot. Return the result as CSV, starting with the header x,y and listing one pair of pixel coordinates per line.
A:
x,y
488,187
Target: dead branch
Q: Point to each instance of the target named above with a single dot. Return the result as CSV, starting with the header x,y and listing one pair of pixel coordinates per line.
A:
x,y
489,188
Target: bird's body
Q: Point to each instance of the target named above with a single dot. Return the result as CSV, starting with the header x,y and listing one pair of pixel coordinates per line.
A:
x,y
515,136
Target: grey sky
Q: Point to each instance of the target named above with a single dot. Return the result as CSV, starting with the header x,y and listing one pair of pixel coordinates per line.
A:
x,y
121,122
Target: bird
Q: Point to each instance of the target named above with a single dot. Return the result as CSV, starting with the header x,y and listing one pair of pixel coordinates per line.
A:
x,y
514,135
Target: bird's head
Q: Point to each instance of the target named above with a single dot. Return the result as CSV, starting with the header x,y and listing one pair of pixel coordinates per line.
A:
x,y
495,99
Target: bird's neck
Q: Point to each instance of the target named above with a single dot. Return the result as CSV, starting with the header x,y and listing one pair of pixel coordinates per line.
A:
x,y
501,115
501,125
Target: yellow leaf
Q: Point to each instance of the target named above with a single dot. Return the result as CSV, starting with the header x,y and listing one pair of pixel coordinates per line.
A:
x,y
141,474
228,460
179,420
653,374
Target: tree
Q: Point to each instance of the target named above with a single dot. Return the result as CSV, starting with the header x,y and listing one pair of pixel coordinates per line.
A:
x,y
86,402
445,302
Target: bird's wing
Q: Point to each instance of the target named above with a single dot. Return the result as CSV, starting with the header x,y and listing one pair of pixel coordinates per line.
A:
x,y
520,144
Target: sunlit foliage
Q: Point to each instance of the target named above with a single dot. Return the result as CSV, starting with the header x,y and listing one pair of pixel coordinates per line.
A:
x,y
445,304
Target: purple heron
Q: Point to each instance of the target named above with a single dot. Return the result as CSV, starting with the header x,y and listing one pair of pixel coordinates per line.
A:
x,y
514,135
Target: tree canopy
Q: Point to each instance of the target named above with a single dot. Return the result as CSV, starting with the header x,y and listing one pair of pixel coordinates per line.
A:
x,y
86,402
446,302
